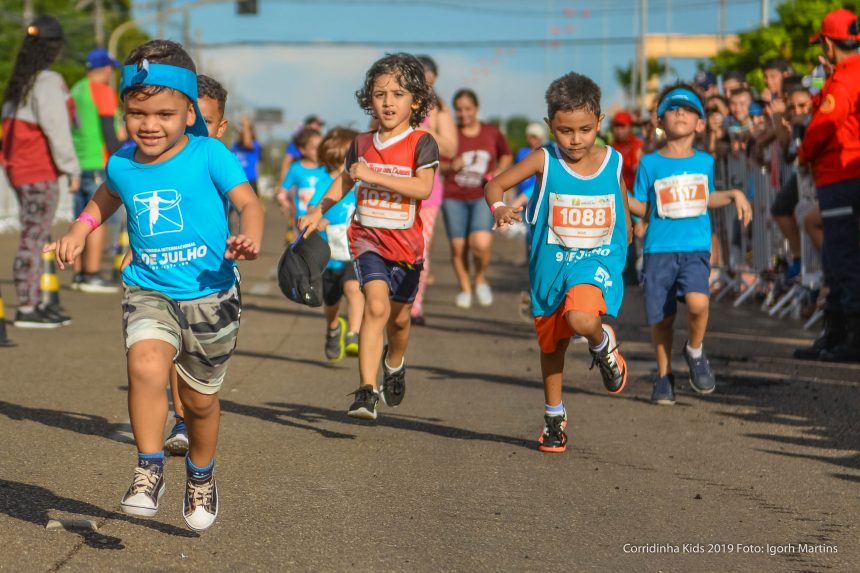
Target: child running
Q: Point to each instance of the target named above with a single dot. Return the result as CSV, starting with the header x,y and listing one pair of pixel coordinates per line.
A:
x,y
181,300
212,100
303,178
338,278
673,191
581,229
394,168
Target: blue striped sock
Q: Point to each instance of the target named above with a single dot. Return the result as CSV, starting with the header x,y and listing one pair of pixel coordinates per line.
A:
x,y
554,410
146,460
196,473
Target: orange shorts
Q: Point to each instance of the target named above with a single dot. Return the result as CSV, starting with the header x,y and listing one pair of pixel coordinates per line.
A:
x,y
554,328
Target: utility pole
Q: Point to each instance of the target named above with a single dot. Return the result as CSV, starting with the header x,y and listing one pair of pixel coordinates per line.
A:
x,y
721,23
186,29
643,56
99,22
765,16
28,12
161,16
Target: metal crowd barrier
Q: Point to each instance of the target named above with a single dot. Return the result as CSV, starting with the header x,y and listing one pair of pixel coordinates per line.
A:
x,y
756,251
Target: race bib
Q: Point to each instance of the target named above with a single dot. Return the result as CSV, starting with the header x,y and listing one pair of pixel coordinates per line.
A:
x,y
338,242
581,221
682,196
383,209
305,196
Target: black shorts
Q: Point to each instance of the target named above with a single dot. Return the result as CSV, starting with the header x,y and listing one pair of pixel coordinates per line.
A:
x,y
333,282
402,278
787,198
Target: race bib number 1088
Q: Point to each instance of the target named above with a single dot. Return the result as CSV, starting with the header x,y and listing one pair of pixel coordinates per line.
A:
x,y
581,221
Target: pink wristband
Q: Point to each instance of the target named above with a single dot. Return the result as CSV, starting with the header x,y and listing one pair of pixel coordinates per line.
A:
x,y
496,205
89,220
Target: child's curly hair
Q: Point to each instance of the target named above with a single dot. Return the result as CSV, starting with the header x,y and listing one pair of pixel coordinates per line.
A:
x,y
571,92
333,147
409,72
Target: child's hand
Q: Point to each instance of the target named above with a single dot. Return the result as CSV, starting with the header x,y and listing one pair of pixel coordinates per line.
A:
x,y
241,248
457,163
68,248
323,224
360,171
506,216
310,222
743,207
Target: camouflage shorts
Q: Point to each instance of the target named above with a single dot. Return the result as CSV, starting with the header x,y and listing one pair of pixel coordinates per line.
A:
x,y
203,330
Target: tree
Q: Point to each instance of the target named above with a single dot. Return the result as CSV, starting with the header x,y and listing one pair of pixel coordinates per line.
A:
x,y
787,37
624,76
78,26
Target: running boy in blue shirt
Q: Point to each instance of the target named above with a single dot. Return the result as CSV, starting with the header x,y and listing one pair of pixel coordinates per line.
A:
x,y
673,191
181,300
581,229
303,178
339,278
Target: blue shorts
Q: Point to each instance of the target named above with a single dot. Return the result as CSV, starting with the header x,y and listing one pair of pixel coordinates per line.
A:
x,y
402,278
462,218
90,183
667,277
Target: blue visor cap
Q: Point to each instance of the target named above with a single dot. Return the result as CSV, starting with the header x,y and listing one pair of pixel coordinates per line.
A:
x,y
164,75
680,98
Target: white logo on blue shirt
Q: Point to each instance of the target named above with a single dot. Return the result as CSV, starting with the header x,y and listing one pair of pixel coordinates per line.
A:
x,y
158,212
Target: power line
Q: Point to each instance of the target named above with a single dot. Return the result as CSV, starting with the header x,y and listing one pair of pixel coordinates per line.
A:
x,y
464,44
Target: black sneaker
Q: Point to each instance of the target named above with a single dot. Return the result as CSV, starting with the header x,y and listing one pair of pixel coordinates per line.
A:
x,y
77,280
95,284
146,490
701,376
200,505
364,405
553,439
57,313
36,318
613,368
664,390
335,342
393,382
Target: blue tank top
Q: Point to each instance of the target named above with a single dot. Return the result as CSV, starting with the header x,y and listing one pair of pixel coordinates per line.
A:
x,y
579,233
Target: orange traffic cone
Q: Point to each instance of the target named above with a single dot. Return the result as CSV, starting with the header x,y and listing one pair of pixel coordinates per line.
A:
x,y
4,340
50,282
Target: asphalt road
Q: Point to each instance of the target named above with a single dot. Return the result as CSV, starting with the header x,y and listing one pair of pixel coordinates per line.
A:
x,y
762,475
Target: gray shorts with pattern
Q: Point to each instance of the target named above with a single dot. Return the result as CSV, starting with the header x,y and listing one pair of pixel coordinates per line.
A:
x,y
203,330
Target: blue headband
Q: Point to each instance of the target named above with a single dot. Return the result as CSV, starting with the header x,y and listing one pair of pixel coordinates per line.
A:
x,y
680,97
164,75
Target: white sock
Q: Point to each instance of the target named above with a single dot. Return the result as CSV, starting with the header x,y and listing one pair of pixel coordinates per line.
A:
x,y
694,352
602,345
390,369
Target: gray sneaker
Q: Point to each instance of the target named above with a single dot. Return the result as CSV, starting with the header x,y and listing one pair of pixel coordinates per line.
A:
x,y
335,342
393,385
663,392
701,376
95,284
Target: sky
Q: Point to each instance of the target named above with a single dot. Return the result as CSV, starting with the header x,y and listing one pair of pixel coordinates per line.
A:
x,y
509,75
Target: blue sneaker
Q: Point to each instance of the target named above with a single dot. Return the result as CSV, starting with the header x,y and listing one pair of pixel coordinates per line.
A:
x,y
176,443
701,376
664,390
793,270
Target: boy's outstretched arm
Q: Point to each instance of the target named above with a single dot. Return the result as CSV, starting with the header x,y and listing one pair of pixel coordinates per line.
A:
x,y
494,190
335,192
246,245
628,221
636,206
103,204
742,204
419,186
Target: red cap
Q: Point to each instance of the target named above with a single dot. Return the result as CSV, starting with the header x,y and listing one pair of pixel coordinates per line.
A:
x,y
836,26
622,118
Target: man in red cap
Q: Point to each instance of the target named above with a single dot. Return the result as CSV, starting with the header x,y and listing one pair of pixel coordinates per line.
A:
x,y
831,146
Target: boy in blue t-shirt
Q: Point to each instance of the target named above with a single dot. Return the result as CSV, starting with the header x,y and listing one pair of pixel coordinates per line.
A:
x,y
674,189
181,300
339,279
303,178
579,243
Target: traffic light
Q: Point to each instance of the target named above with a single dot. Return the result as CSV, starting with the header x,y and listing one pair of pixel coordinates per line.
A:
x,y
245,7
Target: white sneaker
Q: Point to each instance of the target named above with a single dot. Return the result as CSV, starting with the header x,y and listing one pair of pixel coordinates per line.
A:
x,y
484,294
146,490
463,300
200,505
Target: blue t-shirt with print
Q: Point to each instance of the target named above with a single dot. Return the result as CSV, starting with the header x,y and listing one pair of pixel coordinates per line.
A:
x,y
177,222
527,186
339,214
248,158
303,183
675,235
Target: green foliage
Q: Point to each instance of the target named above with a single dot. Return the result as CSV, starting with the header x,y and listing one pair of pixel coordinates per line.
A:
x,y
78,27
515,131
788,37
656,68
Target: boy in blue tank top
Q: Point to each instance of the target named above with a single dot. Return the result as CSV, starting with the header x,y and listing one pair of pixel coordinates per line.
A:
x,y
181,302
674,189
580,231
